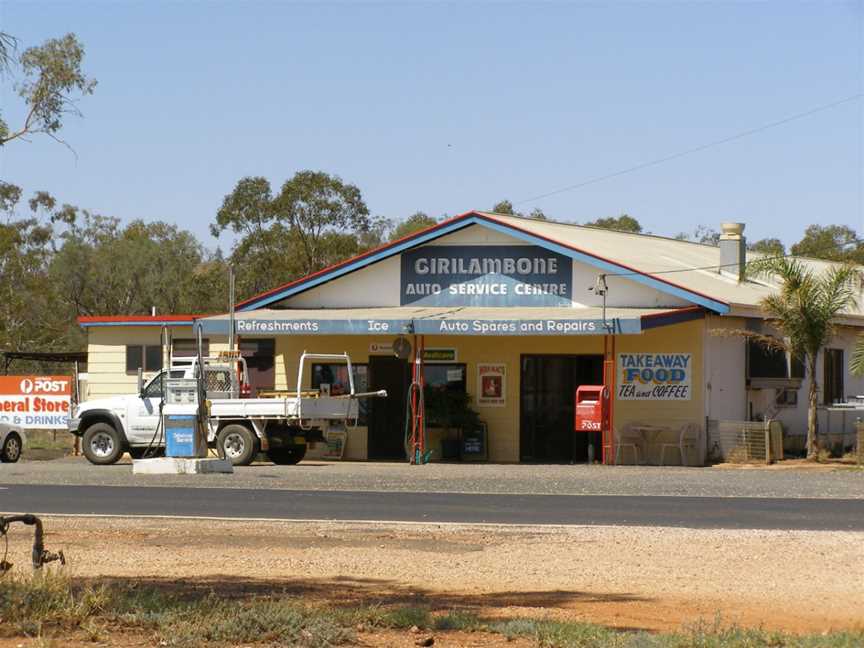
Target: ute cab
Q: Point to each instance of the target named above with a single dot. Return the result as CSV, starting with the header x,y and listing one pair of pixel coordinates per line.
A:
x,y
280,425
131,423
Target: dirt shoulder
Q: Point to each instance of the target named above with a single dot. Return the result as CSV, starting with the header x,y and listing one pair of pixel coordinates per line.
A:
x,y
626,577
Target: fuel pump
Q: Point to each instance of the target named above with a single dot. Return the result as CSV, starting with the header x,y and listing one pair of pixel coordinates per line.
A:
x,y
184,412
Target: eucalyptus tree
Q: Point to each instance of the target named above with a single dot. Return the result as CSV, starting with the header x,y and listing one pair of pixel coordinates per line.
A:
x,y
316,219
52,82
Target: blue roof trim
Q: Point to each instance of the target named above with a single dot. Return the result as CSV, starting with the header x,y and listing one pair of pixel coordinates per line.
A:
x,y
302,286
474,219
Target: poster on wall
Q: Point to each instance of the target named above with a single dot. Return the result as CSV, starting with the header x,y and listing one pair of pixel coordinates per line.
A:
x,y
491,385
654,376
35,402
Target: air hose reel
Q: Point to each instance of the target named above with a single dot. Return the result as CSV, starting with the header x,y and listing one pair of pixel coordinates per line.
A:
x,y
39,555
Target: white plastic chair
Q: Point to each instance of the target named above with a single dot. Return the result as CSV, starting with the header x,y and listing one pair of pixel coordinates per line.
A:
x,y
688,438
627,438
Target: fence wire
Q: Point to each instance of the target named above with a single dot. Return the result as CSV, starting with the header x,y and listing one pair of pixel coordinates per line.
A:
x,y
744,441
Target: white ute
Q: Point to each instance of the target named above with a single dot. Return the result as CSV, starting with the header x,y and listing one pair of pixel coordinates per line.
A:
x,y
240,427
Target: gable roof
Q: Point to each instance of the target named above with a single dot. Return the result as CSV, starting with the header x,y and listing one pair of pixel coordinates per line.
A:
x,y
576,242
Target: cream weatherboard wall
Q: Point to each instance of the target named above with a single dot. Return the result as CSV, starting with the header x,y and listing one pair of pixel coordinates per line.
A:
x,y
731,399
725,368
503,422
106,356
378,285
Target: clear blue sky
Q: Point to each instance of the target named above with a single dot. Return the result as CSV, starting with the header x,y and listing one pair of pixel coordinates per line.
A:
x,y
448,107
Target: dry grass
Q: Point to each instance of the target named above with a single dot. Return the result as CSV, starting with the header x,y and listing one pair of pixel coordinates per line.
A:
x,y
48,606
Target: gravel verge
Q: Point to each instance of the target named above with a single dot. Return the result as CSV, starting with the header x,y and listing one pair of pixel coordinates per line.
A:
x,y
803,482
653,578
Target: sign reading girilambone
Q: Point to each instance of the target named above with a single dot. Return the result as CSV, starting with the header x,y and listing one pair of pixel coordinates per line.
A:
x,y
485,275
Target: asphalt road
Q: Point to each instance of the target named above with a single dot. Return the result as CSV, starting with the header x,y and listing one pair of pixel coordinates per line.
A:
x,y
692,512
783,481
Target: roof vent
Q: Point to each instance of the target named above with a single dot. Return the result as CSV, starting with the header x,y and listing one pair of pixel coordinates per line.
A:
x,y
733,250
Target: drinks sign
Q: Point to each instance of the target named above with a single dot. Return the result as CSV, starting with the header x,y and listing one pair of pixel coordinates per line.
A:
x,y
654,376
35,402
483,275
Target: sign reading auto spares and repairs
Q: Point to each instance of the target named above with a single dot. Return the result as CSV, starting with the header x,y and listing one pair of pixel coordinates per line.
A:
x,y
654,376
485,275
35,402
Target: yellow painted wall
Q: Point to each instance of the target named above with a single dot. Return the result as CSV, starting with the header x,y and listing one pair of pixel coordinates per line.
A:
x,y
503,422
106,356
107,371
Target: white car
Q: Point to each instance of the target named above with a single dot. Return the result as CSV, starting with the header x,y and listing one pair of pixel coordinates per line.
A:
x,y
11,443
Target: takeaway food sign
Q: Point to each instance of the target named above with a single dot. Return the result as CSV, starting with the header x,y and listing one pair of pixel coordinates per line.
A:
x,y
654,376
35,402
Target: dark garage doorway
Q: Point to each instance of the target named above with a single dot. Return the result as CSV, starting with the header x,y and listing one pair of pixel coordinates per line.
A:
x,y
546,393
387,415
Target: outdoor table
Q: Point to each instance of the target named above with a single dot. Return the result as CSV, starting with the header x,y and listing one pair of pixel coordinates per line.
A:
x,y
650,433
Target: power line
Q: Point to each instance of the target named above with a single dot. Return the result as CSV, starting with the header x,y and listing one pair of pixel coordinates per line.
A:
x,y
695,149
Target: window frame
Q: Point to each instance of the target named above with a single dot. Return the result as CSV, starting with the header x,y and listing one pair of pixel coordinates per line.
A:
x,y
833,363
786,398
161,376
448,365
142,358
205,350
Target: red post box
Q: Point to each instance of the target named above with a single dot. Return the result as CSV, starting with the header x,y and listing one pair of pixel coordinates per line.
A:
x,y
592,408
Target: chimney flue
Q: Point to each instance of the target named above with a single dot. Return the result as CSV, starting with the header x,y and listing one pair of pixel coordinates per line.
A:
x,y
733,250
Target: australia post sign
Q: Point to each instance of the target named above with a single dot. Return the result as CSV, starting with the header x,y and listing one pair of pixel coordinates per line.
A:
x,y
35,402
485,275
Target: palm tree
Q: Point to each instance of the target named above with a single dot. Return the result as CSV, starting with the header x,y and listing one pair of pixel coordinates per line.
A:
x,y
804,311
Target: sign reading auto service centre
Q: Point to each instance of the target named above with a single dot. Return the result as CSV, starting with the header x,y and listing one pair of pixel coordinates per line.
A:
x,y
35,402
483,275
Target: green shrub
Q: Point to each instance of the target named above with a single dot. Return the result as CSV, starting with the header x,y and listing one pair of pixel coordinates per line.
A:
x,y
406,617
458,620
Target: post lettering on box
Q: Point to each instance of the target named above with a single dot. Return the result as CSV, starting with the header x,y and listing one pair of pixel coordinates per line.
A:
x,y
654,376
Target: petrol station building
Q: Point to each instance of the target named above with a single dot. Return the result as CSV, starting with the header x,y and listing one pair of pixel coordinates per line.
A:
x,y
517,313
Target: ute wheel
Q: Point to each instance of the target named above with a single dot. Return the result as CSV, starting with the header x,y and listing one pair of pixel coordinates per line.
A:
x,y
238,443
11,451
102,444
287,456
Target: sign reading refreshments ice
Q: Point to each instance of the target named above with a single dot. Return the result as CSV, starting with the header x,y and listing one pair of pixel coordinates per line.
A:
x,y
484,275
35,402
654,376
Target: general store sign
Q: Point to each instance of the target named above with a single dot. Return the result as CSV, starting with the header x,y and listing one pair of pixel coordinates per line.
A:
x,y
35,402
654,376
484,275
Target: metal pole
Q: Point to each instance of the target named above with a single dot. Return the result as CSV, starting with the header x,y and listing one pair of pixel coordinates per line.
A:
x,y
76,395
231,301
